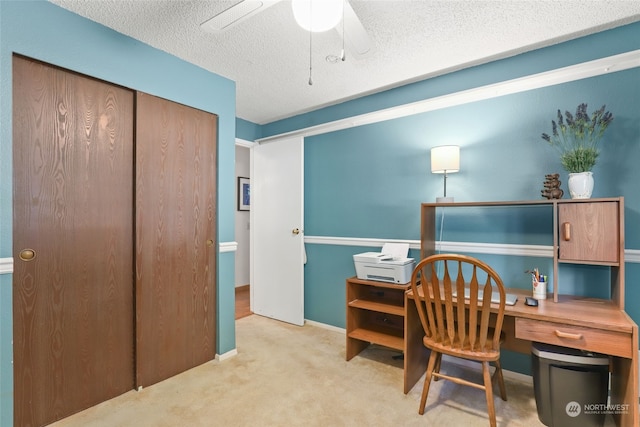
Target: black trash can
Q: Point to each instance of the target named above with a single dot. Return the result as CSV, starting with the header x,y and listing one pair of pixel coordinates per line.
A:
x,y
570,386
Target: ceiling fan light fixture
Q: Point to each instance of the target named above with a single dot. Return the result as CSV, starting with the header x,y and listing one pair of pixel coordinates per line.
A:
x,y
317,15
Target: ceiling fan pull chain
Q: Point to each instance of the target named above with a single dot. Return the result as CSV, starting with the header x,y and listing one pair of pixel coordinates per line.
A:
x,y
343,55
310,43
310,63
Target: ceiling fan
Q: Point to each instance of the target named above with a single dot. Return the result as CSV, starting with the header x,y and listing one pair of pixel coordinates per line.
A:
x,y
351,30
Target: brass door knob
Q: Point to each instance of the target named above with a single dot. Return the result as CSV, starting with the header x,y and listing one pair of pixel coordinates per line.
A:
x,y
296,231
210,242
27,254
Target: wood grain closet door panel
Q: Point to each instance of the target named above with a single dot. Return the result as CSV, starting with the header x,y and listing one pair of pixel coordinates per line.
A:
x,y
175,238
73,203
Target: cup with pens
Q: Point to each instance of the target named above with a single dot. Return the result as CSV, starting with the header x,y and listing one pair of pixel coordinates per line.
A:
x,y
539,283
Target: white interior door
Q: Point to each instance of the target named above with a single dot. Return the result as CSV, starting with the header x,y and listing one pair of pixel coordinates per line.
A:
x,y
277,241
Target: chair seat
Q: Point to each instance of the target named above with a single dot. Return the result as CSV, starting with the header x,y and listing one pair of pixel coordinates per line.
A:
x,y
465,352
487,354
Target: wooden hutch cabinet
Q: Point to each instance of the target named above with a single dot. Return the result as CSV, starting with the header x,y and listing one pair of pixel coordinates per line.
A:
x,y
585,231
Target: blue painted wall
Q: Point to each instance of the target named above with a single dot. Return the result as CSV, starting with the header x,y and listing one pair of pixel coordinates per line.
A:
x,y
247,130
43,31
369,181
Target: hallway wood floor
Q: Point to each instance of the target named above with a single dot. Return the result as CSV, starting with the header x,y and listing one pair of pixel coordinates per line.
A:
x,y
243,307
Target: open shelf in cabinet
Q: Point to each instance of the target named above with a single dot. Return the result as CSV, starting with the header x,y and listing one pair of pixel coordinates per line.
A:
x,y
377,306
388,337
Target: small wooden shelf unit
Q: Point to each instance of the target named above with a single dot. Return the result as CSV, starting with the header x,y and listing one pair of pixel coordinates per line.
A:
x,y
375,314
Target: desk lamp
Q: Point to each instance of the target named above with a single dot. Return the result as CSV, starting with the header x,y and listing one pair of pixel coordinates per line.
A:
x,y
445,159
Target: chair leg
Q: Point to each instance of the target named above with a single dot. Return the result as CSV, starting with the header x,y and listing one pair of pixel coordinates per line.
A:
x,y
437,367
488,389
433,359
497,375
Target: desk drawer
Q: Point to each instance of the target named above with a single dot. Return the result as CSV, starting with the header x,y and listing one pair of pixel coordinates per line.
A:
x,y
583,338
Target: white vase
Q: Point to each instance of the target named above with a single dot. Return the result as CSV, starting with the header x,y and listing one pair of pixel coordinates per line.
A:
x,y
581,185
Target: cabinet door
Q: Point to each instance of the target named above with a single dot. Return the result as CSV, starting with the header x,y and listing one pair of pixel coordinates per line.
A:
x,y
589,232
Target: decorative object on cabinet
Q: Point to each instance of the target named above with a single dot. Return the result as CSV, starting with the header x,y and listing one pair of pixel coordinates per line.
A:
x,y
577,139
445,159
552,188
580,185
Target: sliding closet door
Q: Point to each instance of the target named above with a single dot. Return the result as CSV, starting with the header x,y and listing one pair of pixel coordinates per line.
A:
x,y
175,238
72,242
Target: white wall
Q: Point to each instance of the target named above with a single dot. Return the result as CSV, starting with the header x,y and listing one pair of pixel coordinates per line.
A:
x,y
242,221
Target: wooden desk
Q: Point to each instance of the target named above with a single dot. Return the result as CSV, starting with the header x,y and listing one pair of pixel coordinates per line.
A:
x,y
583,323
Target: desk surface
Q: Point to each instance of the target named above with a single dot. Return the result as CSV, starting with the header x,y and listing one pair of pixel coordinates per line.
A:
x,y
570,310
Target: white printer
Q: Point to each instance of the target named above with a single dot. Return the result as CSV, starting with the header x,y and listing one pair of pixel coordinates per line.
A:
x,y
383,267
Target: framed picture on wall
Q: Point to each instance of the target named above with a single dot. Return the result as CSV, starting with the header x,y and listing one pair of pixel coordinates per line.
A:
x,y
244,194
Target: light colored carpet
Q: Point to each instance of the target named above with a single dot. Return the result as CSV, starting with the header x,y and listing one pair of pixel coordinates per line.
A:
x,y
285,375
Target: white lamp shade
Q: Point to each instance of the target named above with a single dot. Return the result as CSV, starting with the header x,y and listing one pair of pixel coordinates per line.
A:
x,y
445,158
317,15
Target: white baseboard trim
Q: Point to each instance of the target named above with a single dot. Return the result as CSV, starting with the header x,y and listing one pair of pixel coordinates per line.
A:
x,y
325,326
228,355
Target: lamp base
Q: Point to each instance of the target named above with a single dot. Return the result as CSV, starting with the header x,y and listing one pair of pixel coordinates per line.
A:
x,y
444,199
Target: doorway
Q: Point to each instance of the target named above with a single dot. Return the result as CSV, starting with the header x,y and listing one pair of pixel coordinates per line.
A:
x,y
243,231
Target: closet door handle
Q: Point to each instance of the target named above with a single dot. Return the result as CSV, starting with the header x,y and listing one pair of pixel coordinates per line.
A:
x,y
27,254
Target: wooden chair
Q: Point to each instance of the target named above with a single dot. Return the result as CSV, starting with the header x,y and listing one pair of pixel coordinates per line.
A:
x,y
460,330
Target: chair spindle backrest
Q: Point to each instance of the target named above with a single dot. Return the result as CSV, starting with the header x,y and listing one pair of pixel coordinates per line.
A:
x,y
447,322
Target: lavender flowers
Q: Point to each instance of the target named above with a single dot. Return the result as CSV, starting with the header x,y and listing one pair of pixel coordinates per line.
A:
x,y
577,137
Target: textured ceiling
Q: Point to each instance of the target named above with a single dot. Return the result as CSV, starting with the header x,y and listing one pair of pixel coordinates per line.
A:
x,y
267,55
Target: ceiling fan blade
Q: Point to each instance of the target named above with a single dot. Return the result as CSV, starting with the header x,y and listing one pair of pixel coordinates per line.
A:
x,y
355,36
236,14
